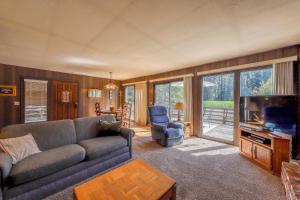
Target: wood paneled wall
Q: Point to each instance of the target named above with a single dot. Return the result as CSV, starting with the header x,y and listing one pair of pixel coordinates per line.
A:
x,y
12,75
258,57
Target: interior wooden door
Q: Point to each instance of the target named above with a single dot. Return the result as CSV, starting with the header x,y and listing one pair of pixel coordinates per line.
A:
x,y
262,155
65,100
246,148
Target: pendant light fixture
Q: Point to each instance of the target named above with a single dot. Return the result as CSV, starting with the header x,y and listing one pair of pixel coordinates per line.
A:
x,y
110,85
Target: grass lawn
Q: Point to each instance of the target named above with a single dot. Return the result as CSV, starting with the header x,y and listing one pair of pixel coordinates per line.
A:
x,y
218,104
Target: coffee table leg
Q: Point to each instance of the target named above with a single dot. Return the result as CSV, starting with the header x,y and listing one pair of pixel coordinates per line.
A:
x,y
173,196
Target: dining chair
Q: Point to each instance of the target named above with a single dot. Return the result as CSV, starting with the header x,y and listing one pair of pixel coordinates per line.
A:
x,y
97,109
126,115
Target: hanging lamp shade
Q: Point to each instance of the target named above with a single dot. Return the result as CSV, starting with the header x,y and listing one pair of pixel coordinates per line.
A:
x,y
110,85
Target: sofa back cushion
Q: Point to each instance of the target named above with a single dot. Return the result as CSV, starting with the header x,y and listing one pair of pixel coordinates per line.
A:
x,y
88,127
48,135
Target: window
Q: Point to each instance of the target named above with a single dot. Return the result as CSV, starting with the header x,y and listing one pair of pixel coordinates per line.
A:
x,y
256,82
35,100
168,94
130,98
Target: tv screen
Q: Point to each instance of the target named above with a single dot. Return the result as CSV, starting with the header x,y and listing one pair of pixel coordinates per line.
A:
x,y
275,113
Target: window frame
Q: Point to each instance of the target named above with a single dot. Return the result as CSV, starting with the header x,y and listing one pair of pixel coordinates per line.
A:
x,y
22,97
254,69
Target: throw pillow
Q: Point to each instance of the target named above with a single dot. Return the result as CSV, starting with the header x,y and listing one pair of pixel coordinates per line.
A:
x,y
20,147
106,128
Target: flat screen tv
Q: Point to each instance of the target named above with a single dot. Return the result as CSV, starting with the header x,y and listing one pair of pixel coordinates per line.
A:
x,y
274,113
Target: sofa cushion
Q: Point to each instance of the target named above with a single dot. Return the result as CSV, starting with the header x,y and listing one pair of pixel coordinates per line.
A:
x,y
97,147
87,127
106,128
46,163
47,135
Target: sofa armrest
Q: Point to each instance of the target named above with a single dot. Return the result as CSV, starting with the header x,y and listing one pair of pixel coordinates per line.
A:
x,y
176,125
5,166
128,134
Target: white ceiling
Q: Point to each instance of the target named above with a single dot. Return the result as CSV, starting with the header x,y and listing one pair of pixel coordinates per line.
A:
x,y
140,37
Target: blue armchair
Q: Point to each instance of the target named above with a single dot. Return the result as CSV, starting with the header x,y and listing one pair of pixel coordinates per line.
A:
x,y
163,131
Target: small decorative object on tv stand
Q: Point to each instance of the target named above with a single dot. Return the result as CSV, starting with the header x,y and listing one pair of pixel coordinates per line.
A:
x,y
269,154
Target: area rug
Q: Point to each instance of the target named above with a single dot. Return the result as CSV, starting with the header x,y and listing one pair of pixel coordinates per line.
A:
x,y
204,169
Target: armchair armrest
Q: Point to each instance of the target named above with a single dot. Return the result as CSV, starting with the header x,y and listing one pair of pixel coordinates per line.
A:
x,y
176,125
158,127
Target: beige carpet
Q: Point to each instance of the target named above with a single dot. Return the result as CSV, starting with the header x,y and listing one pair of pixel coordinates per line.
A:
x,y
205,169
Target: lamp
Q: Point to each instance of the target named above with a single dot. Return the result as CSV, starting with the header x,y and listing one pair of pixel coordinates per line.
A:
x,y
110,85
179,106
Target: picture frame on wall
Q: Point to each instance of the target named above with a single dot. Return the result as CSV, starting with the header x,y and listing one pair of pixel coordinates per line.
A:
x,y
8,90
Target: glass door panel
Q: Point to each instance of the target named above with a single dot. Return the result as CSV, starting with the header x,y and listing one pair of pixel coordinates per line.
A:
x,y
218,106
162,96
176,96
130,98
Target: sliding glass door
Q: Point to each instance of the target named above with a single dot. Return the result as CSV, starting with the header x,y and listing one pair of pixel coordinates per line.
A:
x,y
130,98
218,107
168,94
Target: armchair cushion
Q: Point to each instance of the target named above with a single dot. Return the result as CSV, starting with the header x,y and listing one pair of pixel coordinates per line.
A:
x,y
158,115
5,164
174,133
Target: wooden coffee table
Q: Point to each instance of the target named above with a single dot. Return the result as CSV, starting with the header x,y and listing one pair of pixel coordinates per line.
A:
x,y
134,180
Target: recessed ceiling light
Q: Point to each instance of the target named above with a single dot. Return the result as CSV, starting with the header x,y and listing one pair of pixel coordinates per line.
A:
x,y
83,61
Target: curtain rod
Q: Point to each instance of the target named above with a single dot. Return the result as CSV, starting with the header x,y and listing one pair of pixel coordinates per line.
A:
x,y
133,83
249,65
171,77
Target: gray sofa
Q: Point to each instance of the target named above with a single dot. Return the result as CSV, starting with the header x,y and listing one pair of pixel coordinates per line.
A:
x,y
71,152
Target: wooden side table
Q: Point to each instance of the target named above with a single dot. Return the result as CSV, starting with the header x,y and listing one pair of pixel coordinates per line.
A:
x,y
188,130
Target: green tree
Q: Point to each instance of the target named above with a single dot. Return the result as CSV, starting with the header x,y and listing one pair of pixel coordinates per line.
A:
x,y
265,88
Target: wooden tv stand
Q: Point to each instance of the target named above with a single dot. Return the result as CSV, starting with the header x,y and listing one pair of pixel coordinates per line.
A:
x,y
269,155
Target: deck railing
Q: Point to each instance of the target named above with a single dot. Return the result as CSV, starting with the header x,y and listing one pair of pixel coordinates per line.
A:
x,y
218,116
